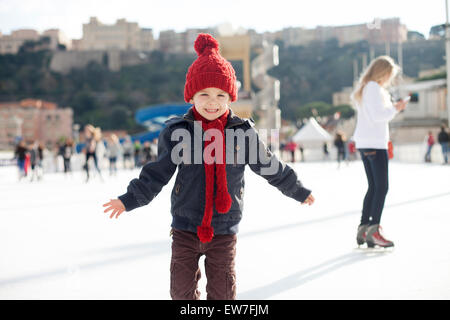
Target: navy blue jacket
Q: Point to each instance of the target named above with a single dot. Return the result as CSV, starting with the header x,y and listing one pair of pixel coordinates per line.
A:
x,y
188,194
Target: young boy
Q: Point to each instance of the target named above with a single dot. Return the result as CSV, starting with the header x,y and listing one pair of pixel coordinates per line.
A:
x,y
207,198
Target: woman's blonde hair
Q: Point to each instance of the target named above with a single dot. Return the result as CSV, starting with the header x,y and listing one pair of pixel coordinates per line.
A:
x,y
377,71
94,132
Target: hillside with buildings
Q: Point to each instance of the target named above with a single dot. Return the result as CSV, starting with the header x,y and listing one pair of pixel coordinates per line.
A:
x,y
319,71
113,70
98,94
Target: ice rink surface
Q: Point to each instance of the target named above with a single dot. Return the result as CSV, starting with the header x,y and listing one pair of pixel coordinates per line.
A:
x,y
56,242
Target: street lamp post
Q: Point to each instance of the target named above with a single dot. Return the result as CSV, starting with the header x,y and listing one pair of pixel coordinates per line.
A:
x,y
76,132
18,123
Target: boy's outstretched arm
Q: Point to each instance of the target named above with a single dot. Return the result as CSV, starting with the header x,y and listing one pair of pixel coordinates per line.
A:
x,y
153,177
278,173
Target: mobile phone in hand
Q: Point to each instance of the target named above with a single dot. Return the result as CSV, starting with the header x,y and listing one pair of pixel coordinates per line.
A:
x,y
405,99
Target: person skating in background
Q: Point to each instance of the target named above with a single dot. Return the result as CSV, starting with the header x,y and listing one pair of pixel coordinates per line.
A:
x,y
292,147
207,198
340,144
430,144
114,151
36,158
137,154
20,154
93,137
302,154
147,153
374,112
326,153
67,151
443,139
128,150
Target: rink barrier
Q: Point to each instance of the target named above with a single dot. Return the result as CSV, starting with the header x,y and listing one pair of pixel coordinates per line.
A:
x,y
407,153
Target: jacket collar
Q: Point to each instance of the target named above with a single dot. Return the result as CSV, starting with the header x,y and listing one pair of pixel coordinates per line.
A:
x,y
233,119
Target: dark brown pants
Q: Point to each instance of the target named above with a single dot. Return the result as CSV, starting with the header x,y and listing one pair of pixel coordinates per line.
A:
x,y
219,266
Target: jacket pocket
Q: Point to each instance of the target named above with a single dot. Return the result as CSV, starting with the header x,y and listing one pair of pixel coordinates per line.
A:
x,y
177,188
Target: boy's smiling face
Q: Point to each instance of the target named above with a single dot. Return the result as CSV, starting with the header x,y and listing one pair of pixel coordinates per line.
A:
x,y
211,103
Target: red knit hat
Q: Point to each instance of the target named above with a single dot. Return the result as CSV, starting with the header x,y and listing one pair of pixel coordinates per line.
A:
x,y
209,70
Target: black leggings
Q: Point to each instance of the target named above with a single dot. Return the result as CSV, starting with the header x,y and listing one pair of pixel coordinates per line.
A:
x,y
376,166
86,166
67,167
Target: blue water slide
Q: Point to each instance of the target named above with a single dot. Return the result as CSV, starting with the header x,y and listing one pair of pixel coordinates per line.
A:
x,y
153,117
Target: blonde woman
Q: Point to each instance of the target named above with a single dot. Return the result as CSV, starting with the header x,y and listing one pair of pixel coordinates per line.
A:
x,y
93,136
114,151
374,111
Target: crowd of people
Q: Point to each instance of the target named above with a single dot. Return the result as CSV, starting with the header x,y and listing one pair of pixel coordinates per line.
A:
x,y
29,158
346,150
30,155
130,154
442,139
95,153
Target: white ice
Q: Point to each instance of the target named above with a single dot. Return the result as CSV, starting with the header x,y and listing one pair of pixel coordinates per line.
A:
x,y
56,242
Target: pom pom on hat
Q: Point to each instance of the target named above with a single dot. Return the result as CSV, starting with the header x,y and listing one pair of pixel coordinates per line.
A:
x,y
205,41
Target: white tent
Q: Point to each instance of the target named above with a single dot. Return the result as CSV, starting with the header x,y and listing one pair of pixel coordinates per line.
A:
x,y
312,132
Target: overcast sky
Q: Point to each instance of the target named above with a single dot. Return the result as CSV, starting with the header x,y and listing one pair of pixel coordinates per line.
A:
x,y
261,15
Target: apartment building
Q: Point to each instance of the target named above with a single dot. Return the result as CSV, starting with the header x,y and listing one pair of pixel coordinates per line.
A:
x,y
57,37
171,41
376,32
33,120
122,36
12,43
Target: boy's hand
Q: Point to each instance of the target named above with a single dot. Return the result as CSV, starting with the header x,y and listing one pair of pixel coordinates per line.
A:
x,y
116,206
309,200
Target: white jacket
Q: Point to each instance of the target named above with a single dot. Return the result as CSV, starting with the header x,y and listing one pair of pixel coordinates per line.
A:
x,y
373,116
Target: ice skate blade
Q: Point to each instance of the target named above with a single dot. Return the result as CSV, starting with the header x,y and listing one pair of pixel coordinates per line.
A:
x,y
375,249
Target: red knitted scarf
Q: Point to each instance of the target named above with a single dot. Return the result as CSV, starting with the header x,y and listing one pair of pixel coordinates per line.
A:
x,y
222,198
